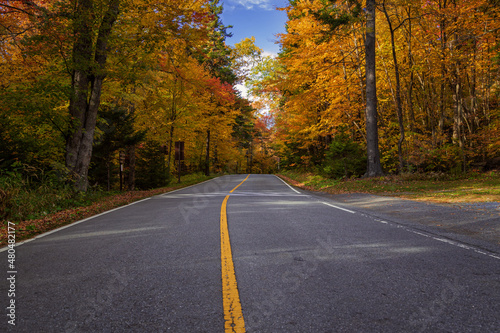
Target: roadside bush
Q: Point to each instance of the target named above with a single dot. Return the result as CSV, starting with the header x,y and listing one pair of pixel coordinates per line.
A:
x,y
5,201
344,158
28,193
425,157
151,169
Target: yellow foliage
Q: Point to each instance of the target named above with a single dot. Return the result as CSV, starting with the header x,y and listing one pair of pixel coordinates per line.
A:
x,y
446,55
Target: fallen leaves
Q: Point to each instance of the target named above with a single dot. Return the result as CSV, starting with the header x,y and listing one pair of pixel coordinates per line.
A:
x,y
30,228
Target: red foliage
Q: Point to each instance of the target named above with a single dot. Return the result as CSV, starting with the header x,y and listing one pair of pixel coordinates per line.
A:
x,y
222,91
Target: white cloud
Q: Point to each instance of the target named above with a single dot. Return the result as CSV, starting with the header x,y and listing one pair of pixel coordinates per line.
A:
x,y
250,4
242,89
269,54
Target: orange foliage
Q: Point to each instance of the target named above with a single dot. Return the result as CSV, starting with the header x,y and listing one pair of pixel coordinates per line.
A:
x,y
448,64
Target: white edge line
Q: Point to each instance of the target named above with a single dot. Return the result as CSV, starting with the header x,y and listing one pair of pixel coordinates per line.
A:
x,y
94,216
444,240
287,185
466,247
72,224
439,239
345,210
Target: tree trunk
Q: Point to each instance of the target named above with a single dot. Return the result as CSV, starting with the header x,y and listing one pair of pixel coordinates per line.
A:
x,y
108,170
131,168
458,111
172,118
207,155
410,83
88,75
374,168
399,104
216,154
250,158
169,152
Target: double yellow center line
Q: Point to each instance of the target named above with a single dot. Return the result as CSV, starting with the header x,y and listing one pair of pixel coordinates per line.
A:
x,y
233,316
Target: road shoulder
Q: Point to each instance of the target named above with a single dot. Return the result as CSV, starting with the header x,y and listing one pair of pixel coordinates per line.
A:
x,y
473,223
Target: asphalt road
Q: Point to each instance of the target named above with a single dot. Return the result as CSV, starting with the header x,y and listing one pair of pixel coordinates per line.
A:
x,y
303,263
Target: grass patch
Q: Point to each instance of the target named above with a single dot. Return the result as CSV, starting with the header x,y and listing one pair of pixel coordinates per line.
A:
x,y
442,188
53,209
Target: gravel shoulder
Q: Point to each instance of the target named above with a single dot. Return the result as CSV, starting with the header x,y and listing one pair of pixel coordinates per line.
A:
x,y
477,224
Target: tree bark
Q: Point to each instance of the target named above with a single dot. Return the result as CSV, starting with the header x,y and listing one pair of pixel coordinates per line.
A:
x,y
207,155
89,61
412,75
131,168
399,104
458,110
250,158
170,147
374,168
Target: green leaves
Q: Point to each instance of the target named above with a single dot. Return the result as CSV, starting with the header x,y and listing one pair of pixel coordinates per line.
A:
x,y
336,15
344,158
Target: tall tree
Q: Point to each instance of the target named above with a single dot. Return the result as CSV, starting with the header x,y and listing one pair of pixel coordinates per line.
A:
x,y
399,104
217,59
374,168
89,71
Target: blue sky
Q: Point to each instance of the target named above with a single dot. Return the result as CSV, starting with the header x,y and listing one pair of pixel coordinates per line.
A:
x,y
258,18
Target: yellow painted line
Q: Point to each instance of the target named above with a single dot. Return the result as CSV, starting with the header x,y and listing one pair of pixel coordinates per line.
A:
x,y
233,315
239,184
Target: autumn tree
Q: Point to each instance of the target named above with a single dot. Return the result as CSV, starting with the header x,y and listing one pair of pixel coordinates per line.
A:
x,y
90,53
320,54
116,132
374,167
216,58
89,70
32,87
435,74
166,63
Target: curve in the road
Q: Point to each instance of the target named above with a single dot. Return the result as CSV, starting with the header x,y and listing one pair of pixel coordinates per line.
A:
x,y
233,315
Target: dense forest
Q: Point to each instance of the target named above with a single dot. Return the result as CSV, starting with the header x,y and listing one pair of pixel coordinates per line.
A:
x,y
437,86
92,86
98,91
